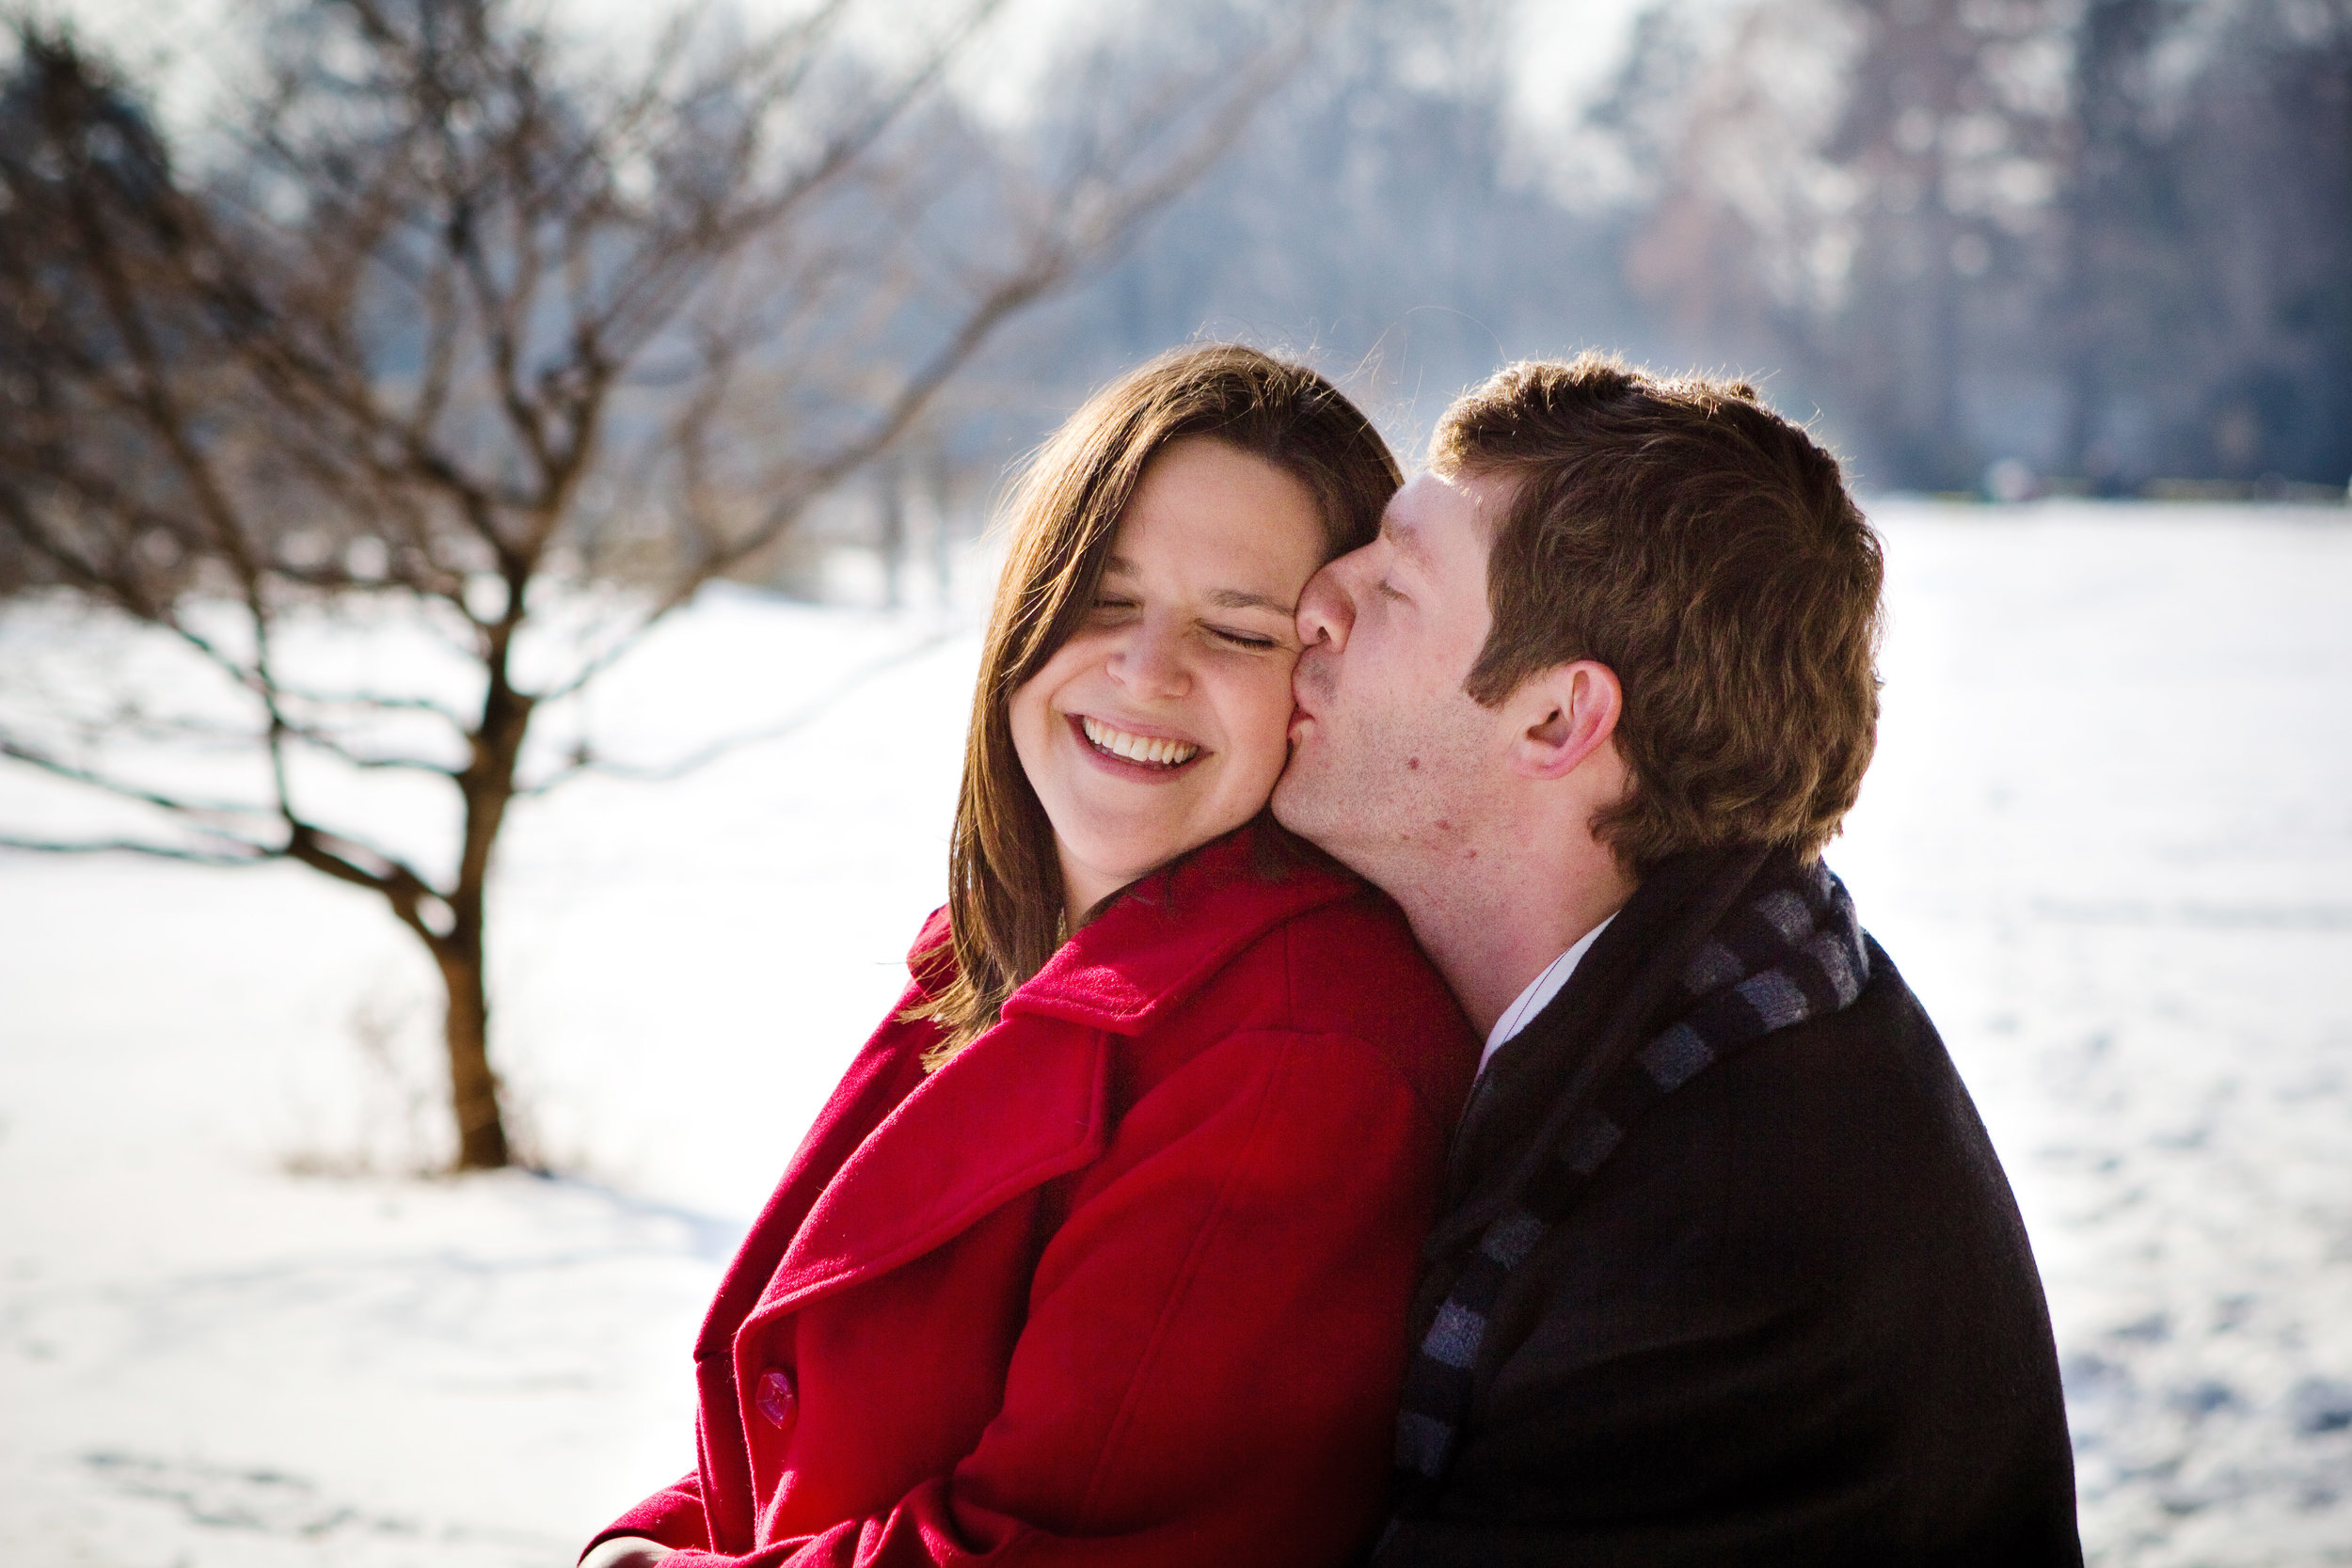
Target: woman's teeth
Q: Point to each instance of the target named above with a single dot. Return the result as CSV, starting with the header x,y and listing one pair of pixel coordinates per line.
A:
x,y
1138,748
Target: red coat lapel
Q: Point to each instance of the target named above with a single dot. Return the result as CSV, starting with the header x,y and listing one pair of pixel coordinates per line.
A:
x,y
876,1081
1016,1108
1027,1102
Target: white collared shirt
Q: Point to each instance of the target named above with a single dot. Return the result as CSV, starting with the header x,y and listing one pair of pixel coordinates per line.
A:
x,y
1538,994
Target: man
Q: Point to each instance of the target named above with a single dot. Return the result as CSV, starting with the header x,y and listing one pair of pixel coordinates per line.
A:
x,y
1726,1270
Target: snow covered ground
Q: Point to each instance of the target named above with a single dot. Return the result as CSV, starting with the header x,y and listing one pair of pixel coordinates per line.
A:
x,y
2108,839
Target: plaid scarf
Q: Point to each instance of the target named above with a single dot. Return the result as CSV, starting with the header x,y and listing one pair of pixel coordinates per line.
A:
x,y
1790,951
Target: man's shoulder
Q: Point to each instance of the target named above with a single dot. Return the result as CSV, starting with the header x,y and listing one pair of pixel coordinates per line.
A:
x,y
1868,1068
1831,1144
1799,1291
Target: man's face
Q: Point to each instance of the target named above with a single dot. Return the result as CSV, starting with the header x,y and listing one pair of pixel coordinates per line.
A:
x,y
1392,763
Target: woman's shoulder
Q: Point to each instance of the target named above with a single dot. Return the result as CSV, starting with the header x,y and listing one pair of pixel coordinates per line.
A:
x,y
931,957
1265,896
1354,961
1344,968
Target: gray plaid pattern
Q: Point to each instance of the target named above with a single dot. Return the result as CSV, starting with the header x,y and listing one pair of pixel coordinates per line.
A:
x,y
1675,1058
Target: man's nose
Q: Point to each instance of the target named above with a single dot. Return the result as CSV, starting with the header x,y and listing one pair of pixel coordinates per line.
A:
x,y
1150,660
1326,611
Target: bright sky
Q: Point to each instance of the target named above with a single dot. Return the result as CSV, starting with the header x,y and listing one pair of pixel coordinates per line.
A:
x,y
1562,48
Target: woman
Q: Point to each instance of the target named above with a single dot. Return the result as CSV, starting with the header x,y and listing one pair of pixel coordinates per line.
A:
x,y
1100,1251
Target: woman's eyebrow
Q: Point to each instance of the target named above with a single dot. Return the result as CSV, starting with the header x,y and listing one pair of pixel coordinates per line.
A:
x,y
1222,599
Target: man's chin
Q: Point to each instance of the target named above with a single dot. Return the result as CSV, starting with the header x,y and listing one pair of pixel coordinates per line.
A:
x,y
1292,801
1302,803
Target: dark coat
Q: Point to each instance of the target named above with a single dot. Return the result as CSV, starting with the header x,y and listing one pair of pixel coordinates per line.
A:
x,y
1792,1320
1124,1283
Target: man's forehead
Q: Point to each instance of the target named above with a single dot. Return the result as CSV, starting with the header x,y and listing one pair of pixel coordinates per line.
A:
x,y
1433,506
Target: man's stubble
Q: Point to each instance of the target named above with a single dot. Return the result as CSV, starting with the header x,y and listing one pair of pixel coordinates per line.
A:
x,y
1392,790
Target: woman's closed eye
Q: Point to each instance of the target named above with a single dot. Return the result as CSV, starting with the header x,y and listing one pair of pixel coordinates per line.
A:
x,y
1235,636
1111,609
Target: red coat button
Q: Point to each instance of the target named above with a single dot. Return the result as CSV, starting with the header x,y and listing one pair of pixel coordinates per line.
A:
x,y
774,1398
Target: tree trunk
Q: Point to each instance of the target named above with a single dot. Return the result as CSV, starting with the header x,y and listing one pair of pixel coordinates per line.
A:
x,y
473,1088
488,784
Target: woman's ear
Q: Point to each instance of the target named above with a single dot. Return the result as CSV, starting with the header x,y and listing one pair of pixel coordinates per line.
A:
x,y
1564,715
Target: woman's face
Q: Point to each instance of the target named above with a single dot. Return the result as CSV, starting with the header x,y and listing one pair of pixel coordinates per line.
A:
x,y
1163,722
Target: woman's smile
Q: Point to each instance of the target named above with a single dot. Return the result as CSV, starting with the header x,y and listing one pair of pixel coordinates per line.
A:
x,y
1129,749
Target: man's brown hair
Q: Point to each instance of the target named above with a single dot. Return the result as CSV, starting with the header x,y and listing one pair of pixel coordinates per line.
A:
x,y
1705,550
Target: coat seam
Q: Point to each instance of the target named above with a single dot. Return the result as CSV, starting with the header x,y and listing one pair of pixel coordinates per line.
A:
x,y
1168,1311
1290,971
1414,1090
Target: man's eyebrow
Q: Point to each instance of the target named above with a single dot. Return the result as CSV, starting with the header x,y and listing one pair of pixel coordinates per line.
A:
x,y
1406,539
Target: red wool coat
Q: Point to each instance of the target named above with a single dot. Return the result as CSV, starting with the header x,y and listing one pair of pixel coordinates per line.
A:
x,y
1124,1283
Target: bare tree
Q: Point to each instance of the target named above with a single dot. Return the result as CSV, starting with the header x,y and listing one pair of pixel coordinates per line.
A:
x,y
456,332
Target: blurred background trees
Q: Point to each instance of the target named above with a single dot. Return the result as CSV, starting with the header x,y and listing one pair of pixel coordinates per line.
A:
x,y
2105,242
2094,245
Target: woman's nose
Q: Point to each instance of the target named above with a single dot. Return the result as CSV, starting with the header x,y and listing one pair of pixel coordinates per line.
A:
x,y
1150,660
1326,611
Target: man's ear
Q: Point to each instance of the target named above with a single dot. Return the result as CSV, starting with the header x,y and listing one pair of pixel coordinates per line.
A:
x,y
1564,715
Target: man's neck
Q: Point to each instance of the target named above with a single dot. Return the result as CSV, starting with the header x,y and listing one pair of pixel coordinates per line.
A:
x,y
1490,935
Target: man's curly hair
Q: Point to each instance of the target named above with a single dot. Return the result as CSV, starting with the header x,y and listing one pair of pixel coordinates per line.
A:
x,y
1705,550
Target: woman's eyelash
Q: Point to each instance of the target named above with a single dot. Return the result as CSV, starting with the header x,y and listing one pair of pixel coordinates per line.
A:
x,y
1387,590
1255,643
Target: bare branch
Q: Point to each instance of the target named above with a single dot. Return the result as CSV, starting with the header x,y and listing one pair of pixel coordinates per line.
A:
x,y
353,861
372,702
124,789
236,737
584,762
245,854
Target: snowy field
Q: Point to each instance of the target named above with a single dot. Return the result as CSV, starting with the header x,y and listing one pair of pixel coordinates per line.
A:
x,y
2108,839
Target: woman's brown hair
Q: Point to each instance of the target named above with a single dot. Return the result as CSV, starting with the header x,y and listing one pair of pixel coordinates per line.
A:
x,y
1005,895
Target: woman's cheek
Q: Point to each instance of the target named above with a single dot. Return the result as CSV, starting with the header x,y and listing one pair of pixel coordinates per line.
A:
x,y
1024,716
1270,715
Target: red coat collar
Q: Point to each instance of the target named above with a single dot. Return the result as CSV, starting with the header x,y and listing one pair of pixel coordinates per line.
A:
x,y
1027,1102
1153,949
1166,935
